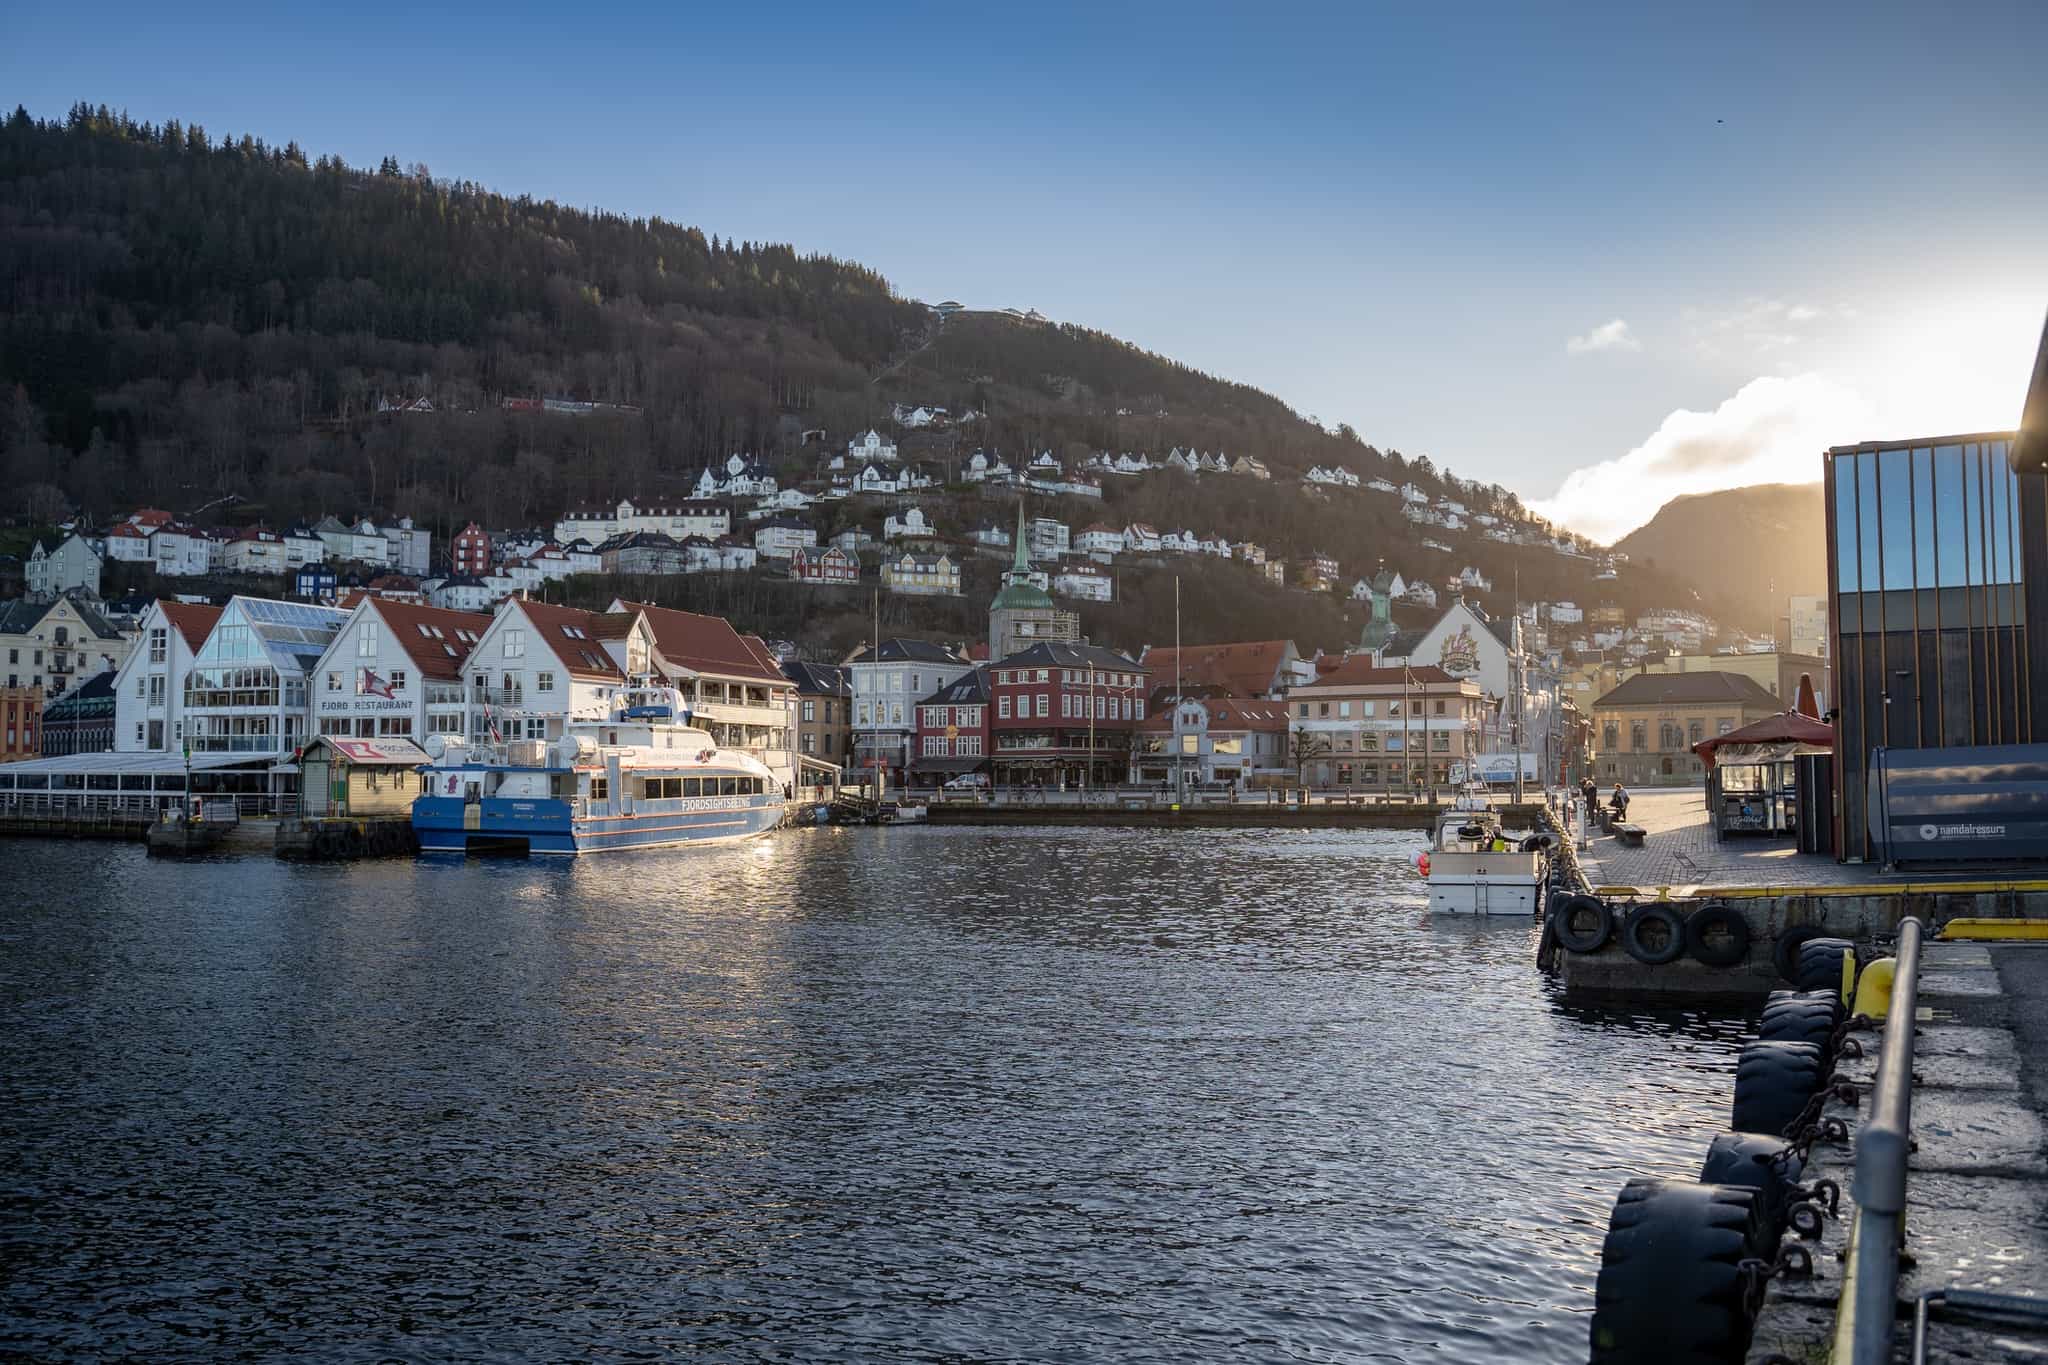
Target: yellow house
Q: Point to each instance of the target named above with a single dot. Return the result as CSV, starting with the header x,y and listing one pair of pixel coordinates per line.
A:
x,y
344,778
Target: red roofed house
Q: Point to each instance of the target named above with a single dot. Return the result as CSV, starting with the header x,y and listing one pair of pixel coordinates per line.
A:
x,y
149,688
1253,668
538,664
395,670
1369,728
470,551
732,686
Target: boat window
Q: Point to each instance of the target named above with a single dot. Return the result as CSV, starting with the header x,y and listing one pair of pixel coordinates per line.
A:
x,y
728,786
600,788
693,786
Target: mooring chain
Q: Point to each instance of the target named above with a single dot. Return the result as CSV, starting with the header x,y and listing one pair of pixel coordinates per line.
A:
x,y
1794,1262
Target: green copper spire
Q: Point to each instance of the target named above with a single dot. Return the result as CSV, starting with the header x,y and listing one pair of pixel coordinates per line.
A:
x,y
1020,562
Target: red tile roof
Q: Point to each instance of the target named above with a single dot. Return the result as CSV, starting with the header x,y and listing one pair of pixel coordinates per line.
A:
x,y
1243,670
1226,713
194,620
581,652
705,644
441,649
1358,671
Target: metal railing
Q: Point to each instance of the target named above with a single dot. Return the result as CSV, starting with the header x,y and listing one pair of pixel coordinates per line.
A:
x,y
1863,1325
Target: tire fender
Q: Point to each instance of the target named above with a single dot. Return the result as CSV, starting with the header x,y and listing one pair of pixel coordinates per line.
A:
x,y
1729,952
1648,950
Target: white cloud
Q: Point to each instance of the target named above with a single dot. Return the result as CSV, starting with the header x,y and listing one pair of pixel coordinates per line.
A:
x,y
1608,336
1772,430
1753,329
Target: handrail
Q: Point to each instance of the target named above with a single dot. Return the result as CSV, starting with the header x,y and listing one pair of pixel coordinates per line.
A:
x,y
1863,1325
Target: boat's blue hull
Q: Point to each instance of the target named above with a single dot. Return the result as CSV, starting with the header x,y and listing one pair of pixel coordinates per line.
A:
x,y
451,825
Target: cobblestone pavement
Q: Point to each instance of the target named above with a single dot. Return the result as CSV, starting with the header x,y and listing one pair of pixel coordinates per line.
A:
x,y
1681,850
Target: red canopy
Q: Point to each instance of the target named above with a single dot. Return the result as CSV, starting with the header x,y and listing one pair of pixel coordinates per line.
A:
x,y
1787,727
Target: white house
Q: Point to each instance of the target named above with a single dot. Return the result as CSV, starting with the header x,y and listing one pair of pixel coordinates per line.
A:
x,y
302,547
537,664
1083,580
869,448
1381,486
1410,493
1566,613
678,518
1141,539
982,466
1421,594
395,668
1099,542
73,564
256,550
1047,538
781,537
911,523
853,540
462,592
127,543
411,547
1179,542
361,543
149,688
921,574
873,478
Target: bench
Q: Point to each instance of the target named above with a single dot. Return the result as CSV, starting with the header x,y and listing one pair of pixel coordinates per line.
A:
x,y
1629,836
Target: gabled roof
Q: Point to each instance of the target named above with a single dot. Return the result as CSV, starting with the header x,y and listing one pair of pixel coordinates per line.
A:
x,y
20,616
703,644
1225,713
905,651
437,640
1242,669
193,620
573,636
967,689
818,680
1681,689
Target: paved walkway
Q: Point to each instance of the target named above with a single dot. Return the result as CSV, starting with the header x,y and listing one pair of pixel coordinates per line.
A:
x,y
1681,850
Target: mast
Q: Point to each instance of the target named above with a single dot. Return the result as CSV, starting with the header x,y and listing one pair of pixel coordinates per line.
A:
x,y
881,771
1173,731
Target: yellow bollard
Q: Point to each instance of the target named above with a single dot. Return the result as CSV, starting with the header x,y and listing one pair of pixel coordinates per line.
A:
x,y
1874,989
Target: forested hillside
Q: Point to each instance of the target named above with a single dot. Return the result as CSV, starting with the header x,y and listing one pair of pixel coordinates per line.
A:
x,y
1748,549
187,315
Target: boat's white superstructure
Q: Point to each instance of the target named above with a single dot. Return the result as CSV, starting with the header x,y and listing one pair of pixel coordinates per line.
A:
x,y
1474,868
640,777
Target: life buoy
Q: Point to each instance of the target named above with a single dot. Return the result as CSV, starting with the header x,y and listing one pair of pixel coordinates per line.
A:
x,y
1422,863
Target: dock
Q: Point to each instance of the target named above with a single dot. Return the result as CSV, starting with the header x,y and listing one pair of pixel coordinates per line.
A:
x,y
1148,810
1976,1193
129,825
1775,888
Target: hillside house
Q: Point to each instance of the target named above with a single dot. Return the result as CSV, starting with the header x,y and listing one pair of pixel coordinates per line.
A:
x,y
828,567
926,575
870,448
1100,543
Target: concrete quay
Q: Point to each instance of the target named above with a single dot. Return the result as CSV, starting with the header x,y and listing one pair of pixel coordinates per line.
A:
x,y
1774,886
1144,810
1977,1182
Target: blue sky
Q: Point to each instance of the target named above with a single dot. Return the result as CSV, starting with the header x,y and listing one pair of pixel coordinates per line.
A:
x,y
1765,228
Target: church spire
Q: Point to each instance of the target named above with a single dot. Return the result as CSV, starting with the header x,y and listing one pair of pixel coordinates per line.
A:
x,y
1020,563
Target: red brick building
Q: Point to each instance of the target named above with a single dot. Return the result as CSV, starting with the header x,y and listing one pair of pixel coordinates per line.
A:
x,y
954,734
1053,702
470,551
21,717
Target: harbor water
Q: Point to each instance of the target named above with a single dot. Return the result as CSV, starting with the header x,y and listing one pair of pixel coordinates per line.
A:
x,y
839,1094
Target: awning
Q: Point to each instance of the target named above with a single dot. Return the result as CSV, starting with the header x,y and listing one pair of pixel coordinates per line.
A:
x,y
1787,727
947,765
390,752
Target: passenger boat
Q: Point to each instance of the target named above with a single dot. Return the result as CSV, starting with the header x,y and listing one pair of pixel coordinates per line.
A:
x,y
639,778
1467,874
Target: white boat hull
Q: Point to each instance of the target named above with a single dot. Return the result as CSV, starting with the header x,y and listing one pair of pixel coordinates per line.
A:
x,y
1482,896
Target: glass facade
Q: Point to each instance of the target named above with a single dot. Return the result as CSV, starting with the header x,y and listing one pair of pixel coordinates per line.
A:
x,y
1925,548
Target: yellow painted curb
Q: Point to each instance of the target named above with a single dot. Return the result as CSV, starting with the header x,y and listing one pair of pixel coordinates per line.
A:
x,y
1981,929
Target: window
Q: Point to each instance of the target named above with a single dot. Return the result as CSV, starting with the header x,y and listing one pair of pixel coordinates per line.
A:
x,y
156,689
398,680
139,684
861,715
1668,735
1322,708
366,640
1639,735
810,709
1304,711
1440,742
1044,705
896,713
1610,736
1723,726
544,682
515,644
159,640
1002,708
1695,731
1439,708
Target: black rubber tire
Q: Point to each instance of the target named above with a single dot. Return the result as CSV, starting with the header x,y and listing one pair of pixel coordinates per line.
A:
x,y
1785,948
1671,1288
1800,1024
1831,999
1583,923
1820,964
1773,1082
1717,919
1758,1162
1652,951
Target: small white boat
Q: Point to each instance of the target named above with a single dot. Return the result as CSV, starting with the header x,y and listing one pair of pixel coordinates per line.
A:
x,y
1473,867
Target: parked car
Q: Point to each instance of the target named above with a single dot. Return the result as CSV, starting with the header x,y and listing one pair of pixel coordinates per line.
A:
x,y
968,782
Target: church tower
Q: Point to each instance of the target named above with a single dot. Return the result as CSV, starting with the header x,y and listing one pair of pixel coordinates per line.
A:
x,y
1023,613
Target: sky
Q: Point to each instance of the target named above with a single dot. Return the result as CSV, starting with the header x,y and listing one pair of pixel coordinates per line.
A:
x,y
1602,257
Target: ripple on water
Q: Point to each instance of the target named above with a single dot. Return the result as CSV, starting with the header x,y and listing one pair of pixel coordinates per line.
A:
x,y
932,1094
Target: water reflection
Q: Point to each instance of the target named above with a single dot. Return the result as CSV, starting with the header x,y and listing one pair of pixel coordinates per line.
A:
x,y
935,1094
